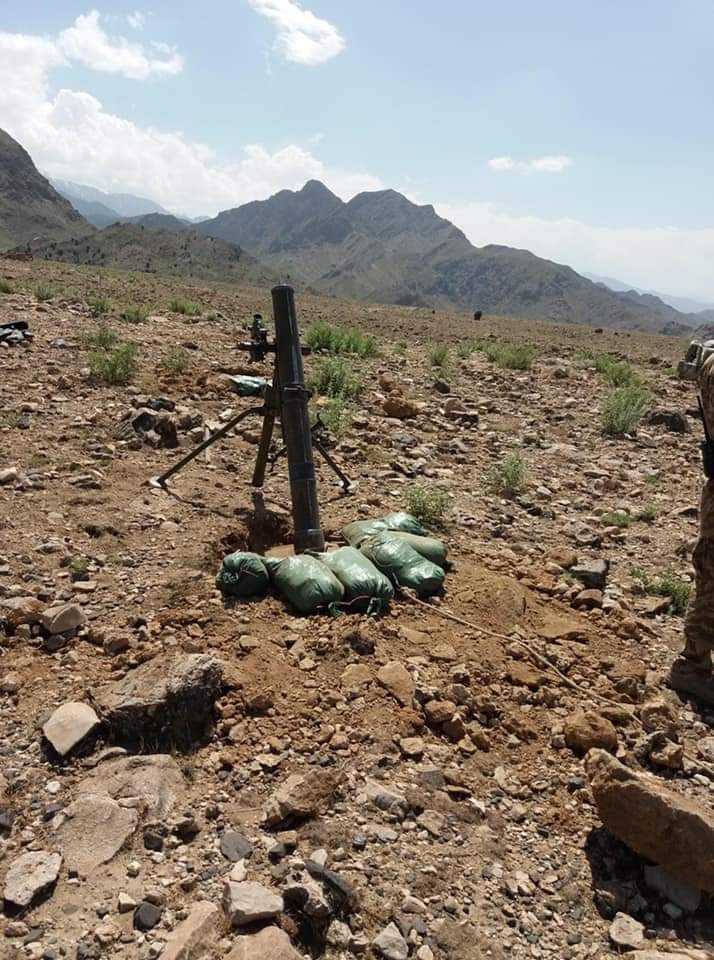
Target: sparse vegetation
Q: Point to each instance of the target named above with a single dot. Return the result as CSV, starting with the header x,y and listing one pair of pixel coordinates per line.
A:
x,y
177,361
400,348
101,338
6,287
668,584
100,306
617,518
427,504
43,293
335,377
337,416
623,409
186,307
648,513
134,314
114,365
465,348
510,476
439,357
510,356
618,373
79,568
338,340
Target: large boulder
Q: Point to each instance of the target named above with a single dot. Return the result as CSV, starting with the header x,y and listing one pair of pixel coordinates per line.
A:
x,y
163,703
653,820
68,726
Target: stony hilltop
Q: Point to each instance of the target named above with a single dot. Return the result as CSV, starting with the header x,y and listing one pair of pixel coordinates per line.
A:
x,y
495,773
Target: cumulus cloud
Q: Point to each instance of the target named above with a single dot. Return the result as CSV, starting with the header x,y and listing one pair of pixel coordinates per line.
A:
x,y
87,42
301,37
671,259
550,164
71,135
136,20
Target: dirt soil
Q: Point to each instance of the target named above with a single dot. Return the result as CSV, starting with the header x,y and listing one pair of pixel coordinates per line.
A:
x,y
499,841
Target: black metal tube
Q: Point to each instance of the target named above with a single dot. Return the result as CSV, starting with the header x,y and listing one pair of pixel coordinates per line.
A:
x,y
296,422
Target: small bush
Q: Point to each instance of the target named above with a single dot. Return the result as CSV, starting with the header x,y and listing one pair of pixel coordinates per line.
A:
x,y
116,365
465,348
439,356
100,306
510,476
510,356
427,504
618,373
618,518
102,338
43,292
335,377
177,361
79,568
623,409
667,585
134,314
6,287
336,340
337,416
186,308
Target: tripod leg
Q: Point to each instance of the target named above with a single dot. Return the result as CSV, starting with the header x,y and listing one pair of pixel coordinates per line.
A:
x,y
344,479
265,439
160,481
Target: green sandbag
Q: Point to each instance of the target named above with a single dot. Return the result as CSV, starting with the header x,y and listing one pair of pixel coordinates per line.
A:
x,y
366,588
402,564
354,533
404,522
242,575
305,582
246,386
428,547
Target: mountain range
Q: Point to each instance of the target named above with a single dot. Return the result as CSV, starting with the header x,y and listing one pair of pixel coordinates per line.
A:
x,y
379,246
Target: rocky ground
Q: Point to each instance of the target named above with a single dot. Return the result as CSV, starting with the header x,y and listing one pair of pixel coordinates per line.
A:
x,y
235,780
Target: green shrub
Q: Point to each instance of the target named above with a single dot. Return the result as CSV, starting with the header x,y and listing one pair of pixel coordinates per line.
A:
x,y
101,338
617,518
100,306
439,356
648,513
186,308
336,340
6,287
337,416
667,585
177,361
510,476
618,373
134,314
510,356
79,568
623,409
116,365
43,292
427,504
335,377
465,348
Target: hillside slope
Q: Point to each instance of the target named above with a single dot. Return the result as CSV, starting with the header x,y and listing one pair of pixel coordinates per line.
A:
x,y
382,247
29,205
128,246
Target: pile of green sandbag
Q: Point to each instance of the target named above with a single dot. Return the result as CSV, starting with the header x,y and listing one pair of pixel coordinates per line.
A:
x,y
383,555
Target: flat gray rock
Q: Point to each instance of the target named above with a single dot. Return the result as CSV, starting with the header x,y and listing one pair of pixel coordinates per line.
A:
x,y
247,902
69,725
92,830
30,875
63,618
154,780
390,944
164,702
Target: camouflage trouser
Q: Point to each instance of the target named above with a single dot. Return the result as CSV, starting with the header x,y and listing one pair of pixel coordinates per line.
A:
x,y
699,623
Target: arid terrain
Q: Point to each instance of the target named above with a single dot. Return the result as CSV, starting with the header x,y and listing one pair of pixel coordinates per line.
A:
x,y
444,809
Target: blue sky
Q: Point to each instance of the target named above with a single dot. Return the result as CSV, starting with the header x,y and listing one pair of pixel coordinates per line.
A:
x,y
579,130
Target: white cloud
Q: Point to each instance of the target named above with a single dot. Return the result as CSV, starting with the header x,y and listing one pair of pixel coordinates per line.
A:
x,y
550,164
72,136
86,42
301,36
671,259
136,20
